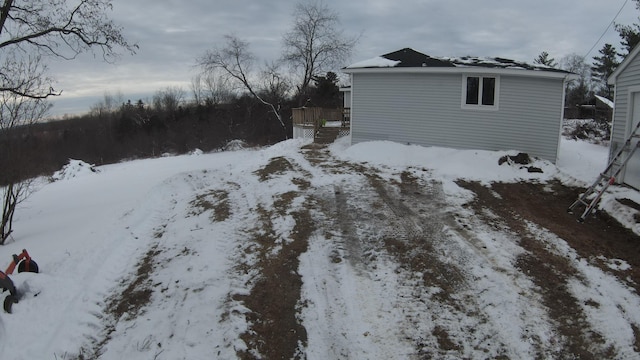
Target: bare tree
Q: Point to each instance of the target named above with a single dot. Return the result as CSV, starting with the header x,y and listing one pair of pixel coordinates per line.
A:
x,y
108,105
275,86
237,62
197,89
315,44
59,28
579,90
17,110
30,31
168,99
211,88
217,89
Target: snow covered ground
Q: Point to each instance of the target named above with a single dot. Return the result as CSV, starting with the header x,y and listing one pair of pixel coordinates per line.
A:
x,y
155,259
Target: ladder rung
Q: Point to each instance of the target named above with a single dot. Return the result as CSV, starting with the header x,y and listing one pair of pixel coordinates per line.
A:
x,y
604,181
584,202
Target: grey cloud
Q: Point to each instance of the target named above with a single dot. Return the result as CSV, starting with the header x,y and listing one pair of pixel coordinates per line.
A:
x,y
172,33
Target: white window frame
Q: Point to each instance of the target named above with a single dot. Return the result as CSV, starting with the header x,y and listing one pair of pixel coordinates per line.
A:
x,y
480,106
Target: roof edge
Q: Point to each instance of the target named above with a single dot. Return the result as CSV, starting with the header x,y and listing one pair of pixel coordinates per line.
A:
x,y
613,78
466,70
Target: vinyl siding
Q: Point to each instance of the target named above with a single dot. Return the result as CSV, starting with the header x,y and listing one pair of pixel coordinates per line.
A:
x,y
629,78
426,109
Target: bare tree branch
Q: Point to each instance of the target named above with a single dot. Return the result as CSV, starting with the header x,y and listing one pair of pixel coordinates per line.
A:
x,y
236,61
59,28
54,28
4,13
315,44
29,31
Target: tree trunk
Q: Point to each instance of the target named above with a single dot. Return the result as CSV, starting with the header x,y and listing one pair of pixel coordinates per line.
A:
x,y
9,203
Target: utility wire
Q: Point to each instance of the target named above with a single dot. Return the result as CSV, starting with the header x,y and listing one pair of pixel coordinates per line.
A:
x,y
607,29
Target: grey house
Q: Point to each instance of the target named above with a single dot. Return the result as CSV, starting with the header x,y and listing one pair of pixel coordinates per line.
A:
x,y
626,113
465,103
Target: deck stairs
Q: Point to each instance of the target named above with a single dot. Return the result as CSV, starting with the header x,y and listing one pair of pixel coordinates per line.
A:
x,y
326,135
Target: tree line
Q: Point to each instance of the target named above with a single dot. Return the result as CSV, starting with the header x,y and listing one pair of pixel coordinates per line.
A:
x,y
168,123
592,77
31,32
234,96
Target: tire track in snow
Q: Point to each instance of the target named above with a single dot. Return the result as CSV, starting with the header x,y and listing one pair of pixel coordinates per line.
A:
x,y
487,309
183,275
554,275
348,312
439,309
277,232
114,258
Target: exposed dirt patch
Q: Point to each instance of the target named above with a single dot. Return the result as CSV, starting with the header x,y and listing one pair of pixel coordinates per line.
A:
x,y
282,204
598,237
444,342
546,205
277,166
405,219
301,183
275,332
138,293
632,204
321,157
422,229
126,305
216,201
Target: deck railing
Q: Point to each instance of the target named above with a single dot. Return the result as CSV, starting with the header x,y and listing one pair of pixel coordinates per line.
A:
x,y
310,115
313,116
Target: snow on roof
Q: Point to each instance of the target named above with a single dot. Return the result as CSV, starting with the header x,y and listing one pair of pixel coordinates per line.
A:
x,y
376,62
408,57
493,62
605,101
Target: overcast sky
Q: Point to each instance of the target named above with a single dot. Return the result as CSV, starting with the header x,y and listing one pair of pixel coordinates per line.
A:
x,y
172,33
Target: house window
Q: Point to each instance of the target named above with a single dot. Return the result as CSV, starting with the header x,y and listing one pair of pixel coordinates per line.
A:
x,y
480,92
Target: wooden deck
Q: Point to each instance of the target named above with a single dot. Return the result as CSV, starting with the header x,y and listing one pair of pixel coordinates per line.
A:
x,y
313,119
314,116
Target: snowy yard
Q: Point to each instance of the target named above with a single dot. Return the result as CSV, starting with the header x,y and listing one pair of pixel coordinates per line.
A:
x,y
376,251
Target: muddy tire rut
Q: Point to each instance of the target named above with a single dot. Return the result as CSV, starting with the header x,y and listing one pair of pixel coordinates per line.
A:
x,y
545,205
439,300
414,226
406,221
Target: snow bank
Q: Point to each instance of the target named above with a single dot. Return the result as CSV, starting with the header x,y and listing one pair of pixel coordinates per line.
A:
x,y
75,168
87,235
582,160
445,163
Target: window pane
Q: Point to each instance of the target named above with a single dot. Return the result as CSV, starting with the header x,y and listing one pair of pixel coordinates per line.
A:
x,y
473,87
488,91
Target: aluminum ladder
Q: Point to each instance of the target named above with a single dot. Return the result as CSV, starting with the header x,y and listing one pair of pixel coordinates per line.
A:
x,y
614,168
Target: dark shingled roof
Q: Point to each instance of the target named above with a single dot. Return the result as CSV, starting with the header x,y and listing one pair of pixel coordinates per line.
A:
x,y
408,57
411,58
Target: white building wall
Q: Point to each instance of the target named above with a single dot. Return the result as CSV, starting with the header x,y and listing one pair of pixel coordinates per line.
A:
x,y
627,82
426,109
